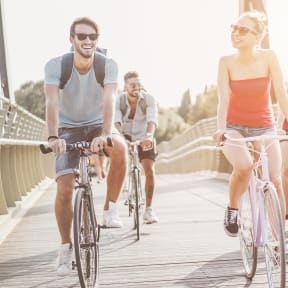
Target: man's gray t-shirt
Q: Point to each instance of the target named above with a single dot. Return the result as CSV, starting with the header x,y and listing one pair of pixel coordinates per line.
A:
x,y
82,97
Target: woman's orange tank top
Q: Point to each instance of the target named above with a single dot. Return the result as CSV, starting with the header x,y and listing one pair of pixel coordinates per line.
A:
x,y
285,125
250,103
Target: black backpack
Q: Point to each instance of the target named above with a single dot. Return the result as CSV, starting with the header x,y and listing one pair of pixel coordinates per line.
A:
x,y
98,65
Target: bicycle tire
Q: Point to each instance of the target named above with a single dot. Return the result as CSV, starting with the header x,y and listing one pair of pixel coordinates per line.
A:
x,y
135,185
274,248
86,239
246,236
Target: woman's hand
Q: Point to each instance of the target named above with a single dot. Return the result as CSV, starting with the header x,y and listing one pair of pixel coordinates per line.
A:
x,y
218,136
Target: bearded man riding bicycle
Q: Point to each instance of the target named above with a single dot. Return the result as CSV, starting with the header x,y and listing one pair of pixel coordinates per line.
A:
x,y
136,118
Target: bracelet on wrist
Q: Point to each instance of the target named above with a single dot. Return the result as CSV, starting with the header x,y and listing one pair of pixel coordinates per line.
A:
x,y
52,137
149,134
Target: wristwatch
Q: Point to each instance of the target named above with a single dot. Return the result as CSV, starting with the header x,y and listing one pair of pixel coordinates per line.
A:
x,y
149,134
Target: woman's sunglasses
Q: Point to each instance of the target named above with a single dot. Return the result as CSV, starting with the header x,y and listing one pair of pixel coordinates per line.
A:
x,y
242,31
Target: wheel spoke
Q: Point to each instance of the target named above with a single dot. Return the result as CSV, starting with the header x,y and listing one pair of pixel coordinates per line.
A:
x,y
246,237
274,243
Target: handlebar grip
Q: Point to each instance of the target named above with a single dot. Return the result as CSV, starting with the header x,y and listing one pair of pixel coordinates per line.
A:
x,y
45,149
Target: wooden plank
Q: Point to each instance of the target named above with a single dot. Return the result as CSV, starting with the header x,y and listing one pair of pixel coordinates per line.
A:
x,y
187,248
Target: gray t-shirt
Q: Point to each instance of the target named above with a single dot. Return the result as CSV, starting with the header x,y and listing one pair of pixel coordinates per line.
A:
x,y
82,97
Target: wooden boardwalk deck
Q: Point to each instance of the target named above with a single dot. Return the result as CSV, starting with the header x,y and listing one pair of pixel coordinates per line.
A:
x,y
187,249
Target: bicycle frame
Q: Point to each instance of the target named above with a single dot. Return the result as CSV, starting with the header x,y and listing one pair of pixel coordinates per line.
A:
x,y
84,182
258,212
260,181
133,153
134,186
86,234
264,226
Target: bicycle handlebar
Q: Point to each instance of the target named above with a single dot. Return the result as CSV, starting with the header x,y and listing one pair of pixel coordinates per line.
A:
x,y
135,143
45,149
255,138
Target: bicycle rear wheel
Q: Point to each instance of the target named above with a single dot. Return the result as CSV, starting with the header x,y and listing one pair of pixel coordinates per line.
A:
x,y
141,200
274,247
246,236
85,239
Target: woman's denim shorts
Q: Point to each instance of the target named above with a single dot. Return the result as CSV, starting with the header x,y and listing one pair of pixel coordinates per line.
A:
x,y
251,131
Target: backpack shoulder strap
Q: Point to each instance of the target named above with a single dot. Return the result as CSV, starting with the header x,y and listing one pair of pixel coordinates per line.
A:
x,y
143,103
66,69
99,67
67,66
123,105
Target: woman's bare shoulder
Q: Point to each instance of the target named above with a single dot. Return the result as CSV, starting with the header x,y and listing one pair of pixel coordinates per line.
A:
x,y
266,53
227,60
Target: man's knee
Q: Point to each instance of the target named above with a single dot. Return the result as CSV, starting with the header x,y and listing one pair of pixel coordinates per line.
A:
x,y
65,187
119,151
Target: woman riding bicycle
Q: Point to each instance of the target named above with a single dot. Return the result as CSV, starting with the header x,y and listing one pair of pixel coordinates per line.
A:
x,y
244,108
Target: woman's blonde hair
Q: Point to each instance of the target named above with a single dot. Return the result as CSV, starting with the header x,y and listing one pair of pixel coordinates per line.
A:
x,y
259,19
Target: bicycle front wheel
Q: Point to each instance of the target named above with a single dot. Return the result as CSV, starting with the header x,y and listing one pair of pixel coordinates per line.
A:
x,y
274,247
246,236
85,239
135,185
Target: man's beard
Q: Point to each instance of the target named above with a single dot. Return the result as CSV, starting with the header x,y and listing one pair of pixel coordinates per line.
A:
x,y
135,93
87,56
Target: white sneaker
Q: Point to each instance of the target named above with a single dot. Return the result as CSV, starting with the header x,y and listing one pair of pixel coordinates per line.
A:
x,y
149,216
64,259
111,217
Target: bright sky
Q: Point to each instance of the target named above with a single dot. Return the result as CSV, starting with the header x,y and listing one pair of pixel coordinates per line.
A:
x,y
173,44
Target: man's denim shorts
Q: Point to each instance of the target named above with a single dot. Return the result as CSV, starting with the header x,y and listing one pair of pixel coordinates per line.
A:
x,y
67,163
251,131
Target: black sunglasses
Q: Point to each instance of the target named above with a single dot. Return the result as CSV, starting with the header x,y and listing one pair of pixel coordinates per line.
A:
x,y
83,36
242,31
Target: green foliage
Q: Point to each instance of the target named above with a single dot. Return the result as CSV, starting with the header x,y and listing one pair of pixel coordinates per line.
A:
x,y
32,98
205,105
185,105
170,125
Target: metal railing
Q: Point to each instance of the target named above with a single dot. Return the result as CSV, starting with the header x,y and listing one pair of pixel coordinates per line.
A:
x,y
194,150
22,165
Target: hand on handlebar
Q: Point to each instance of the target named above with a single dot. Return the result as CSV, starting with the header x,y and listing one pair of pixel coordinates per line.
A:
x,y
147,143
58,146
100,142
281,132
218,136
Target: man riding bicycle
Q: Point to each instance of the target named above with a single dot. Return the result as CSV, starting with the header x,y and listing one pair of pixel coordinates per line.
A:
x,y
82,110
136,118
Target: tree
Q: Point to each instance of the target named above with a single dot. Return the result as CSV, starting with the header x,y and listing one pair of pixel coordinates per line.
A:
x,y
171,124
185,105
32,98
205,105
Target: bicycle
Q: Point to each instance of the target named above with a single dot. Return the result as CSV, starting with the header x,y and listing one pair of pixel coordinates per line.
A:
x,y
260,218
135,192
85,227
